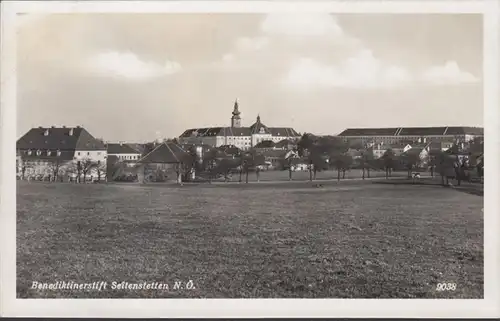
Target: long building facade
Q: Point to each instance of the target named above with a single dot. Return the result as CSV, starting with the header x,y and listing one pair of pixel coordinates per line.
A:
x,y
59,152
242,137
423,134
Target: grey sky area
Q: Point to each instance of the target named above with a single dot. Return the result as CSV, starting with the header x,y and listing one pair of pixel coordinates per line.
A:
x,y
138,77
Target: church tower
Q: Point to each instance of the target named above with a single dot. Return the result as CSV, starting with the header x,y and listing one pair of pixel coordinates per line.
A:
x,y
236,119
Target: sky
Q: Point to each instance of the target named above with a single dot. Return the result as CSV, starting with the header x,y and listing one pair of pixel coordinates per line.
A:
x,y
140,77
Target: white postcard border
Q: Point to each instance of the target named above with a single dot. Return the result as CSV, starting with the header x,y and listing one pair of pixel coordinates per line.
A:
x,y
146,308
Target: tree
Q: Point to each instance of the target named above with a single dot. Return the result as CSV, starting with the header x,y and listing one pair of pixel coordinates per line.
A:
x,y
250,161
224,167
356,144
337,162
54,168
291,159
366,161
25,165
445,166
85,165
347,162
100,167
209,163
304,148
410,160
388,162
480,167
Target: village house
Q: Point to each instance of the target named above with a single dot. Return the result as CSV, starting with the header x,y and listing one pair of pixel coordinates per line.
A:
x,y
380,148
123,152
50,152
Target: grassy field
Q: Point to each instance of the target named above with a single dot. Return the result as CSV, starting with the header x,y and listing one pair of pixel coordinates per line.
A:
x,y
343,240
282,175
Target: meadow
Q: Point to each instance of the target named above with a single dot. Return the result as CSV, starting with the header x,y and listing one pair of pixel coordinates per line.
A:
x,y
352,239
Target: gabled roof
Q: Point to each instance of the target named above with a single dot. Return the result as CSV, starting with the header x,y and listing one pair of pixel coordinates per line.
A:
x,y
229,149
61,138
265,144
274,153
114,148
138,147
284,143
166,153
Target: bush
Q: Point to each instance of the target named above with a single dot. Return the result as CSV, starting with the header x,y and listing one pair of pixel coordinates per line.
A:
x,y
126,178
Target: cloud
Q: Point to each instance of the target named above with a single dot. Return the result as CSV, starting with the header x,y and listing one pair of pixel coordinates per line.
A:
x,y
283,34
361,70
245,45
228,57
251,44
449,73
128,65
302,24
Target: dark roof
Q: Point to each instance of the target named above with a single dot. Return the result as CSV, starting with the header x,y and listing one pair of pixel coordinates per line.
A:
x,y
422,131
412,131
217,131
284,143
283,131
259,128
398,145
240,131
138,147
168,152
229,149
121,149
465,130
59,138
369,132
265,144
274,153
65,155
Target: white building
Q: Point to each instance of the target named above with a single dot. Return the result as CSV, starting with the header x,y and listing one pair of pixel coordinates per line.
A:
x,y
59,151
241,137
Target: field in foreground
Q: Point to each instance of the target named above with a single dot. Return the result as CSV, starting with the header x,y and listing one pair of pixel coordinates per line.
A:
x,y
353,240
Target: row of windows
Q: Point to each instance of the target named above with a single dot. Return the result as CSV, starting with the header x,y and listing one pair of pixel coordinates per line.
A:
x,y
39,152
88,153
129,157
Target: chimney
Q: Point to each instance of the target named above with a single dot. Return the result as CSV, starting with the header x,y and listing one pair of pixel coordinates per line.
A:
x,y
52,126
71,132
64,126
78,127
40,127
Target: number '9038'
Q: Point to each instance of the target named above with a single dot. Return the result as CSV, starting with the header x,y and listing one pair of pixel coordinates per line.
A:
x,y
446,287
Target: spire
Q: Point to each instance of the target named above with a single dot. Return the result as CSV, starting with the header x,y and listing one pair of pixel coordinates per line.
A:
x,y
236,112
236,119
258,118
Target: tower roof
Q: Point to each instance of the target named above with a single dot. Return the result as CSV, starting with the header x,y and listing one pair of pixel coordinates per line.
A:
x,y
236,111
259,128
